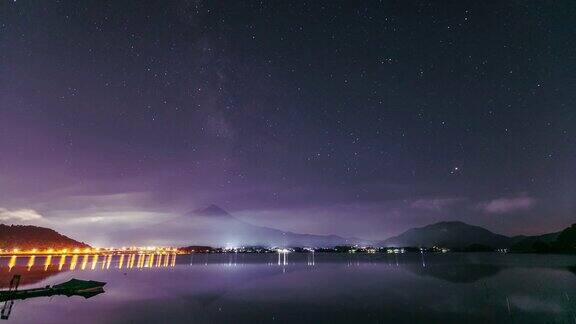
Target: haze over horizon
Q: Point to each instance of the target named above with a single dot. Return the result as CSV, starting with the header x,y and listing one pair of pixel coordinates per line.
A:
x,y
354,119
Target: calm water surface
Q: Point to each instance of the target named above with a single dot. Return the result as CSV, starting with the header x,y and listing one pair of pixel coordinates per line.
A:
x,y
326,288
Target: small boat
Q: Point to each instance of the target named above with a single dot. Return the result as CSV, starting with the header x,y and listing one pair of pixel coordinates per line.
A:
x,y
73,287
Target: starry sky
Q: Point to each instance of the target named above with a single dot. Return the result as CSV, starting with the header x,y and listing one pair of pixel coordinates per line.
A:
x,y
328,117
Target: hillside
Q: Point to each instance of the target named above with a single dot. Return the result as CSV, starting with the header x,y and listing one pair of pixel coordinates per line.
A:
x,y
448,234
27,237
525,243
560,242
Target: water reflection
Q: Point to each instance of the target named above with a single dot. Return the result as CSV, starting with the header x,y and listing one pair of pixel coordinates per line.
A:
x,y
323,288
73,262
47,262
73,287
94,261
34,268
458,272
61,263
12,262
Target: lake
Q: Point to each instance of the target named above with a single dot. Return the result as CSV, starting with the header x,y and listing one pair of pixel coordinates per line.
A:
x,y
302,288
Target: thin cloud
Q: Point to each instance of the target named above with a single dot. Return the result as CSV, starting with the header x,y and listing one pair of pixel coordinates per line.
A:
x,y
508,205
435,204
19,215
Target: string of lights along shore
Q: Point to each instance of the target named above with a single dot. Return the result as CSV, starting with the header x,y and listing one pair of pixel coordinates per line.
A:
x,y
109,250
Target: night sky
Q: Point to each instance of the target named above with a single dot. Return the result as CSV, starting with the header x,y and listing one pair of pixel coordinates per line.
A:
x,y
351,118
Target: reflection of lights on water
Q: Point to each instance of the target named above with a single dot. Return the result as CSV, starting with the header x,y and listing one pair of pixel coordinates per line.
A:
x,y
121,261
151,260
140,261
423,261
132,260
78,262
61,263
103,263
84,262
12,262
94,261
282,252
47,262
108,261
310,258
73,262
31,262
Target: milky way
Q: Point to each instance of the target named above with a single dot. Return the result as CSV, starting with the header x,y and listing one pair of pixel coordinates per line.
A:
x,y
353,118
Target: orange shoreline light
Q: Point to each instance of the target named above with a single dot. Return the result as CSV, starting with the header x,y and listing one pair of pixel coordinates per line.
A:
x,y
79,262
100,251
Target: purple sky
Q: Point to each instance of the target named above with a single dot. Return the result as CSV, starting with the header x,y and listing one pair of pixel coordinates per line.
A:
x,y
325,117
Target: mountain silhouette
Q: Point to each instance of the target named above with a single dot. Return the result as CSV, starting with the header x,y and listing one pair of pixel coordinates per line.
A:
x,y
27,237
525,243
210,210
239,232
213,226
449,234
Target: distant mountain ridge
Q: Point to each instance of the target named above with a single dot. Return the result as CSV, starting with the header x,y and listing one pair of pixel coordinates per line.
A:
x,y
524,242
27,237
261,235
452,234
459,235
213,226
210,210
559,242
448,234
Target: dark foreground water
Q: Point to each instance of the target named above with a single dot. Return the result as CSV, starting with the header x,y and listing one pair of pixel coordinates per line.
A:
x,y
326,288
